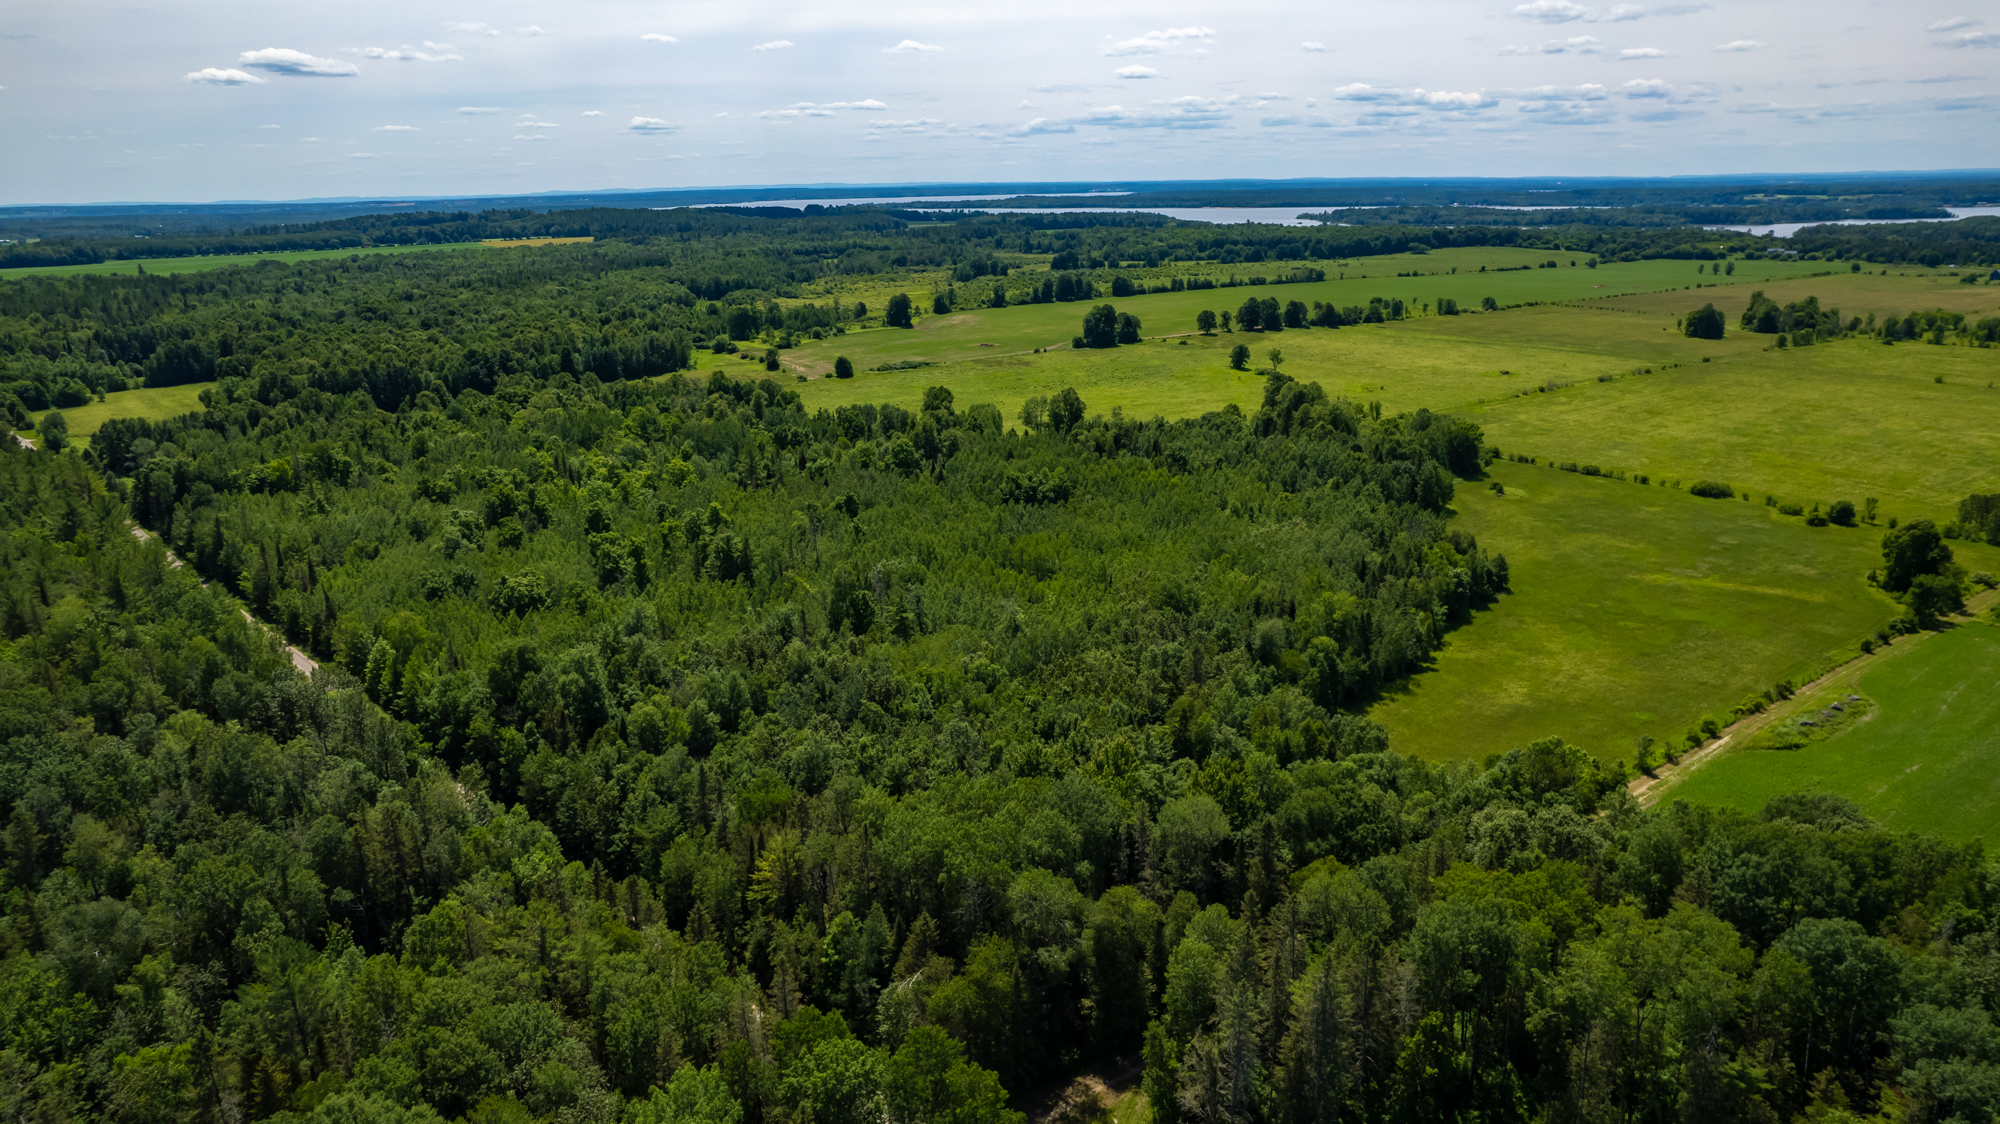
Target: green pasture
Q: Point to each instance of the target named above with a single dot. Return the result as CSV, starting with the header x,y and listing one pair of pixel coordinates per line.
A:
x,y
1639,610
149,402
972,335
218,261
1897,292
1619,388
1922,761
1849,419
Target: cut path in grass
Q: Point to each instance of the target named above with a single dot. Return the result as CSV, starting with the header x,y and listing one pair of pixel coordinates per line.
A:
x,y
1924,759
1639,611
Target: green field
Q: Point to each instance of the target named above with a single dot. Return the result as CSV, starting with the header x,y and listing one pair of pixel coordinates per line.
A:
x,y
1638,611
150,402
218,261
1849,419
1923,761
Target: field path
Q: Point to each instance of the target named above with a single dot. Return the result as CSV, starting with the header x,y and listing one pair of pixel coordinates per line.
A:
x,y
1650,790
304,663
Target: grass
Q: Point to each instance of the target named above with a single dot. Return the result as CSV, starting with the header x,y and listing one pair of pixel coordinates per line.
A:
x,y
1639,610
1922,760
150,402
220,261
1843,420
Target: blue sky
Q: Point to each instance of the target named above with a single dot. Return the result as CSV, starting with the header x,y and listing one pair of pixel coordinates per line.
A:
x,y
236,100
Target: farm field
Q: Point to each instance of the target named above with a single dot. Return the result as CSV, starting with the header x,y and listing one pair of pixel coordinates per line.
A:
x,y
1639,610
1922,761
217,261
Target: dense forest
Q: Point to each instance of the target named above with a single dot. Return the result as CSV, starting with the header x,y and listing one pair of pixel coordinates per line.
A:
x,y
818,241
676,755
671,752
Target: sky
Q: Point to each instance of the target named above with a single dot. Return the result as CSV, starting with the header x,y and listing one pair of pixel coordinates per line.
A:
x,y
227,99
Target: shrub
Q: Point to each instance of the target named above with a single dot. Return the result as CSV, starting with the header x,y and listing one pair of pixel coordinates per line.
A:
x,y
842,368
1791,509
1705,323
1841,513
1711,490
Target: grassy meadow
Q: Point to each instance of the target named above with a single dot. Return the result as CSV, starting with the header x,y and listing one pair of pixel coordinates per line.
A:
x,y
147,402
1844,420
1637,610
1922,760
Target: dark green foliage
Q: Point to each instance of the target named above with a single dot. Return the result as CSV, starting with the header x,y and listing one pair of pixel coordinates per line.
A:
x,y
897,315
677,754
1706,323
1979,517
1239,357
1100,327
1712,490
843,368
1911,550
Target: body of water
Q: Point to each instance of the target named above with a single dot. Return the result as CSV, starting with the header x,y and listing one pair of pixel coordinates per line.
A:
x,y
802,204
1278,216
1787,229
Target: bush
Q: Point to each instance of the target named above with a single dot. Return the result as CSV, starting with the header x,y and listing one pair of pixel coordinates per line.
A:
x,y
1841,513
842,368
1791,509
1711,490
1705,324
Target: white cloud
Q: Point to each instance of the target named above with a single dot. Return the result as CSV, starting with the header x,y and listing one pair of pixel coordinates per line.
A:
x,y
650,125
820,109
1419,97
431,52
1953,24
473,28
1974,39
1312,46
531,29
591,113
1631,53
911,47
773,45
1154,42
1739,45
656,37
224,76
1551,11
536,125
270,126
1646,88
397,129
1171,114
1574,45
1625,12
478,110
284,60
1136,71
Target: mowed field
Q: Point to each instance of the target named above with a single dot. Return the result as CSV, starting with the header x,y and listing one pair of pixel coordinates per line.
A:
x,y
1637,610
1924,760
